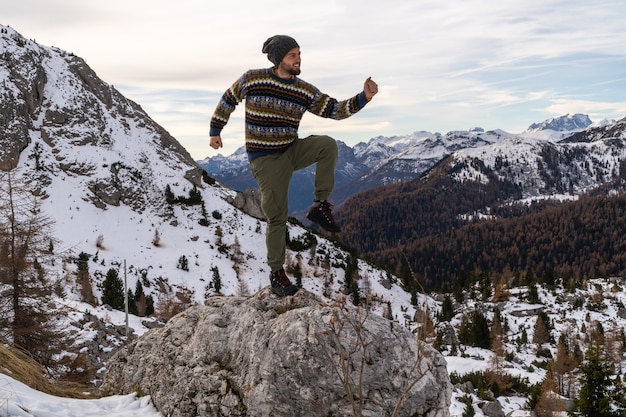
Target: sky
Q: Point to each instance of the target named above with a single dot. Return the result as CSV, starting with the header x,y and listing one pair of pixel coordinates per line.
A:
x,y
440,66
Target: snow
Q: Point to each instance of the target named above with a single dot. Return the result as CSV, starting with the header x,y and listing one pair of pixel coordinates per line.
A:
x,y
18,400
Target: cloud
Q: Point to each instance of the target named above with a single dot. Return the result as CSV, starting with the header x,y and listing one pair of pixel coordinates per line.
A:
x,y
440,65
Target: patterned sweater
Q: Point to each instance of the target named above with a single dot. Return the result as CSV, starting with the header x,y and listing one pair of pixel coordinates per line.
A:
x,y
274,108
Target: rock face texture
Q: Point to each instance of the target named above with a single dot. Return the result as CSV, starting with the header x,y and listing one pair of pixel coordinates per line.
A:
x,y
296,356
55,110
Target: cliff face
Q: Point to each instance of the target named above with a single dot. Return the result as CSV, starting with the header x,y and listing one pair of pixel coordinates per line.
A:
x,y
54,103
265,356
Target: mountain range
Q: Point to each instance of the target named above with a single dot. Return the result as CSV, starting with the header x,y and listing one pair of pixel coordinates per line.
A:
x,y
389,160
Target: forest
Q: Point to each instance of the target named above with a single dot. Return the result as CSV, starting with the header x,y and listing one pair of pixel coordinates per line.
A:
x,y
442,230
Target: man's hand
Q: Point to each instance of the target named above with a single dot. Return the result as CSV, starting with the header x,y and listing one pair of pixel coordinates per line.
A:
x,y
216,142
370,88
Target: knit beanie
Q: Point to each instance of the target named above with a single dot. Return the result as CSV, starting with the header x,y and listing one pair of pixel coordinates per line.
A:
x,y
276,47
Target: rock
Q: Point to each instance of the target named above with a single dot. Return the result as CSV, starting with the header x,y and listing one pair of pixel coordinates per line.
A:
x,y
267,356
492,409
249,202
521,413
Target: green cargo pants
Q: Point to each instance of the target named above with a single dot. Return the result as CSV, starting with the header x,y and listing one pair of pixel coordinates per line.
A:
x,y
273,174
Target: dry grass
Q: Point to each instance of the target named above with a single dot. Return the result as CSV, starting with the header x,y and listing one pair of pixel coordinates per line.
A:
x,y
20,366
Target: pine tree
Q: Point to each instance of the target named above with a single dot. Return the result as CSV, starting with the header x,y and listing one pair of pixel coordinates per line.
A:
x,y
132,303
216,281
475,330
113,290
540,335
599,393
183,263
149,305
447,309
140,299
533,294
561,365
84,280
469,407
169,195
500,292
548,403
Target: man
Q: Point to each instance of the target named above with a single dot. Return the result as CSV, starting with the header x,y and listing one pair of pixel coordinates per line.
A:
x,y
276,100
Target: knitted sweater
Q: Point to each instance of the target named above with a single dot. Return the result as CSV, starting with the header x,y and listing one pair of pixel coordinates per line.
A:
x,y
274,108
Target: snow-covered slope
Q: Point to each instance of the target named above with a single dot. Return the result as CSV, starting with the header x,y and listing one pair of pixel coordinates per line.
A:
x,y
17,399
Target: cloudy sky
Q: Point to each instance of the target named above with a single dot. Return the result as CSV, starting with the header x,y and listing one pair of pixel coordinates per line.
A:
x,y
440,65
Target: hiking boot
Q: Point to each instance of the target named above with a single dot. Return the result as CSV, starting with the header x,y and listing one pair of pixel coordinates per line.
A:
x,y
281,286
322,215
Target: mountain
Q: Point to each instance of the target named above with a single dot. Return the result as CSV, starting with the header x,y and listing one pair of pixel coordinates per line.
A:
x,y
234,172
383,160
380,161
527,188
565,123
391,164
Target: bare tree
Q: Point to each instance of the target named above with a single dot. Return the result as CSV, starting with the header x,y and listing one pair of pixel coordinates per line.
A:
x,y
353,342
25,242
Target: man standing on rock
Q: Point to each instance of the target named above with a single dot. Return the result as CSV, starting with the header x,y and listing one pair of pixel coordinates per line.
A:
x,y
276,100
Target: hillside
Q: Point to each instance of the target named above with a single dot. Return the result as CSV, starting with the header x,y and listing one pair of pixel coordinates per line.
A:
x,y
504,208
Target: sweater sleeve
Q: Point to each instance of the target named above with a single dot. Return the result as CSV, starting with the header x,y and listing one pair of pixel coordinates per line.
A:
x,y
328,107
227,104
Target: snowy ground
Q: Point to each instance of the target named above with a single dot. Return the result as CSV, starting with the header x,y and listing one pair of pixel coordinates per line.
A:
x,y
18,400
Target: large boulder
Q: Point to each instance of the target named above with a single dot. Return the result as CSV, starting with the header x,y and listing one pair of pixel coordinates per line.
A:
x,y
293,356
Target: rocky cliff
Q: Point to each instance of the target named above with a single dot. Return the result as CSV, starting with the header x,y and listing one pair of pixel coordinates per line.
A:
x,y
265,356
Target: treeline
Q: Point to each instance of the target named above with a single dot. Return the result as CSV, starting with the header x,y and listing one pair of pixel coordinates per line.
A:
x,y
576,239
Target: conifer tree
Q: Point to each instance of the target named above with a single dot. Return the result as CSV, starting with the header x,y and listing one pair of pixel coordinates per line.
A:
x,y
475,330
132,304
447,309
533,294
84,280
562,364
540,335
500,291
140,299
548,403
216,281
113,290
600,395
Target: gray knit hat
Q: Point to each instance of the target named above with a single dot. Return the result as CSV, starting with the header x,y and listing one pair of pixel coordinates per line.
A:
x,y
276,47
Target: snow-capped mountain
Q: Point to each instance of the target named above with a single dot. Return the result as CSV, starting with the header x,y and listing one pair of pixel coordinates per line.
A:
x,y
390,164
389,160
584,161
567,123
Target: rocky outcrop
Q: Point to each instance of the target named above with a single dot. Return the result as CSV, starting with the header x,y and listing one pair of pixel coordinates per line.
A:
x,y
249,202
295,356
56,111
22,80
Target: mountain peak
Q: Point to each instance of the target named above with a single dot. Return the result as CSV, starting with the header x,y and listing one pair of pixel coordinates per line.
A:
x,y
566,123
